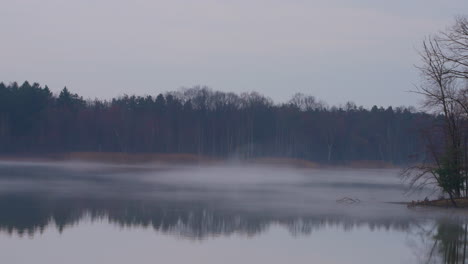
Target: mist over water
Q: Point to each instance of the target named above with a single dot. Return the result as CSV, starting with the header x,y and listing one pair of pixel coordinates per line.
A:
x,y
202,203
236,189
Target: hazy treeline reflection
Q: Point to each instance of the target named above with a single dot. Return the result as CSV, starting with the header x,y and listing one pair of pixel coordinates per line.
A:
x,y
202,203
33,213
36,195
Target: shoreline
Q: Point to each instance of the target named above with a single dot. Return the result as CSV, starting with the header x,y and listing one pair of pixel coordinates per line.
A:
x,y
185,158
462,203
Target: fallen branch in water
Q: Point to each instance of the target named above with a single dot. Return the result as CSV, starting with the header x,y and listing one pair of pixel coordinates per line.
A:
x,y
347,200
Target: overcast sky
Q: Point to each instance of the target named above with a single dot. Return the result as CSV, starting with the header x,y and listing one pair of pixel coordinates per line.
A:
x,y
358,50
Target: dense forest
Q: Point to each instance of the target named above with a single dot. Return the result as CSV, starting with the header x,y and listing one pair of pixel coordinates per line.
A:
x,y
206,122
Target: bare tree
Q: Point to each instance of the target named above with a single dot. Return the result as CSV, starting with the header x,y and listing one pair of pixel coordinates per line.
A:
x,y
444,71
455,42
306,102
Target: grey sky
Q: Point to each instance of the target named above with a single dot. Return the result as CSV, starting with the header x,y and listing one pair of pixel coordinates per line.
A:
x,y
341,50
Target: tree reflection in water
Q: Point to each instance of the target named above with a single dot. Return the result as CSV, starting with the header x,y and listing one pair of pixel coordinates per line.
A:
x,y
444,241
32,213
33,199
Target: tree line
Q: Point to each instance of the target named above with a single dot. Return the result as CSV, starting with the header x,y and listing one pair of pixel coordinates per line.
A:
x,y
205,122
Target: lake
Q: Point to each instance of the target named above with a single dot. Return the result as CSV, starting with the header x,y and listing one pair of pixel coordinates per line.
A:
x,y
75,212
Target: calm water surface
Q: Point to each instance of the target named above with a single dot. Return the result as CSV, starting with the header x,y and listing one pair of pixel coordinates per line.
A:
x,y
91,213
